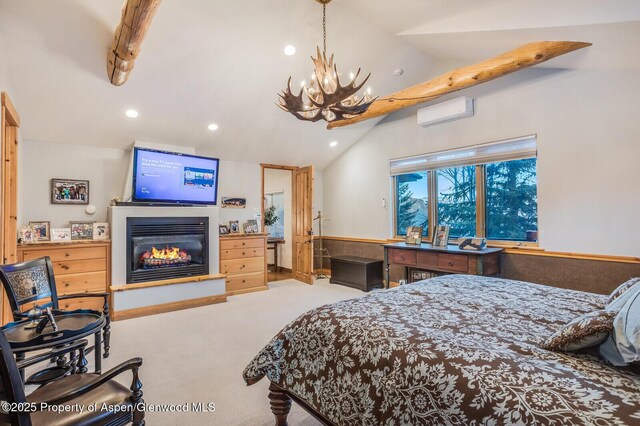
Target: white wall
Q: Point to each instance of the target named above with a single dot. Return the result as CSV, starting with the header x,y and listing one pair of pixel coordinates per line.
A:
x,y
588,153
240,180
105,169
275,181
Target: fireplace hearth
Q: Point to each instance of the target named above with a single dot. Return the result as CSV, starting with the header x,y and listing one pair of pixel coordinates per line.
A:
x,y
167,247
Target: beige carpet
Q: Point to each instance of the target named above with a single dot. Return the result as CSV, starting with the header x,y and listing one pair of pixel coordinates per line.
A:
x,y
198,355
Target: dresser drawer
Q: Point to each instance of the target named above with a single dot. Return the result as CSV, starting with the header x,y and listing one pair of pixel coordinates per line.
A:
x,y
452,262
403,257
244,281
89,282
75,253
242,266
95,303
79,266
242,253
238,243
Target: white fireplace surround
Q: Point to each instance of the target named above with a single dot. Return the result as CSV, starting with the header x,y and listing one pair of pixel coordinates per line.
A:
x,y
151,296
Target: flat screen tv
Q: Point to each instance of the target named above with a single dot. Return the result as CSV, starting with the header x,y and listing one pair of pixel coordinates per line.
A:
x,y
174,178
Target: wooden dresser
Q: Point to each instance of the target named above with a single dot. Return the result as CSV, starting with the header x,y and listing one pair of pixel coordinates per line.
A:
x,y
243,259
79,267
441,260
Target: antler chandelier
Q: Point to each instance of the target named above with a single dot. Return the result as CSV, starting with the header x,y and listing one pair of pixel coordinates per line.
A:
x,y
326,98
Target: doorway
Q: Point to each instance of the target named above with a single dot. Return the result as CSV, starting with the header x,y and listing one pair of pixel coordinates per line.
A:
x,y
287,215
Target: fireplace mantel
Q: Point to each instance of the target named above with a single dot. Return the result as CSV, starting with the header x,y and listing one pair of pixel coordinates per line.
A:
x,y
161,296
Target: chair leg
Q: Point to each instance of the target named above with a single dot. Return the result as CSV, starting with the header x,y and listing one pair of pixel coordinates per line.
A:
x,y
136,399
98,351
107,329
280,404
81,366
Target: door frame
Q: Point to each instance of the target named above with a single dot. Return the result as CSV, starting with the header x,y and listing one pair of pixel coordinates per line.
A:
x,y
294,213
9,125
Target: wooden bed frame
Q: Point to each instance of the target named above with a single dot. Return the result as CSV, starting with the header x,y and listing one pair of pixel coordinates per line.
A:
x,y
280,401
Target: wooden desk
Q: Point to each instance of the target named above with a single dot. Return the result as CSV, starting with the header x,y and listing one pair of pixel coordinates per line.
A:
x,y
450,259
272,244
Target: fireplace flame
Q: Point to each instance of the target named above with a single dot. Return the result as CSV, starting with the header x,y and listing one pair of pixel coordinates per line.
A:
x,y
166,253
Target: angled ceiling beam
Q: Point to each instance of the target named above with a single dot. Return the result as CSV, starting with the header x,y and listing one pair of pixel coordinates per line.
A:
x,y
134,23
517,59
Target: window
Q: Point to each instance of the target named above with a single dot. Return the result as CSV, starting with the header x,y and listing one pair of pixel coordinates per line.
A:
x,y
487,191
457,200
412,208
511,199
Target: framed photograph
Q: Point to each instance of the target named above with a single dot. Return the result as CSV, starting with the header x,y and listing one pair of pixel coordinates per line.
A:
x,y
414,235
40,231
234,203
251,226
81,230
25,235
69,191
223,229
441,236
100,231
234,227
60,234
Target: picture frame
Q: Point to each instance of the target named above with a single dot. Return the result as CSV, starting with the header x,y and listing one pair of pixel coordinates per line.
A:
x,y
81,230
441,236
223,229
251,226
233,203
60,234
414,235
41,230
25,235
234,226
100,231
69,191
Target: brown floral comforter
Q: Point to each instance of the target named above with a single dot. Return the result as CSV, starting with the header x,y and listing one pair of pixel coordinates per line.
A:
x,y
455,349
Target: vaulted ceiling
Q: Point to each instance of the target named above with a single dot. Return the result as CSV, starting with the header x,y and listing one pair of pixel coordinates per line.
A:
x,y
209,61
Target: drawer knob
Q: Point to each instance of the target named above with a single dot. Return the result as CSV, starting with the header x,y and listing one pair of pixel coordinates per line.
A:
x,y
243,253
243,243
450,263
67,254
244,281
64,267
66,284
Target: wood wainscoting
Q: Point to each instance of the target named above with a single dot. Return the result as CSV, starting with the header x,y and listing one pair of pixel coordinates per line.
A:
x,y
585,272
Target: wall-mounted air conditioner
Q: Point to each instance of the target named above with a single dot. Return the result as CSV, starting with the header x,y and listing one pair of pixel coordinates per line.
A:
x,y
446,111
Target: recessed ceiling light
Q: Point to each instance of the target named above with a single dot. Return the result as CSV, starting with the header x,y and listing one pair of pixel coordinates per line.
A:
x,y
213,127
131,113
333,144
290,50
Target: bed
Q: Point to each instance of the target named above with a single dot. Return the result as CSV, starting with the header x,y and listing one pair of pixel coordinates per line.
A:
x,y
455,349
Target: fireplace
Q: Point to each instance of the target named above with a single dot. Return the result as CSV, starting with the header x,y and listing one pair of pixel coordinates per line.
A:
x,y
160,248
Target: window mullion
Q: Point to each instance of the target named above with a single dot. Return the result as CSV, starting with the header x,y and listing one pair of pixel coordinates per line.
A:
x,y
433,203
480,201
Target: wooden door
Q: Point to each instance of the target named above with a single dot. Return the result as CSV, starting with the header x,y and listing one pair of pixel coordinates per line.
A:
x,y
303,224
10,122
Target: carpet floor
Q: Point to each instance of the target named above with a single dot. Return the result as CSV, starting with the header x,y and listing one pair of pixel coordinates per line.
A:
x,y
198,355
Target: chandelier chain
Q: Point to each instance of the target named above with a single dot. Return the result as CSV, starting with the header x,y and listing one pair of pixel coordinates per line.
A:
x,y
324,28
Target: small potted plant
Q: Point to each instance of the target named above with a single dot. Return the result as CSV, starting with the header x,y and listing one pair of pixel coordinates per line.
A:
x,y
270,216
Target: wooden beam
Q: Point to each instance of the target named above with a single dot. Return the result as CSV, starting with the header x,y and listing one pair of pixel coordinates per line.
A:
x,y
523,57
130,32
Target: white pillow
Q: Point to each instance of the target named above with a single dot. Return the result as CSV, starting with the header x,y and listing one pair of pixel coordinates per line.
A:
x,y
623,345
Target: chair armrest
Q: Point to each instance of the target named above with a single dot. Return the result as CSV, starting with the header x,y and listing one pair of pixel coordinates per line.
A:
x,y
67,395
80,295
28,362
